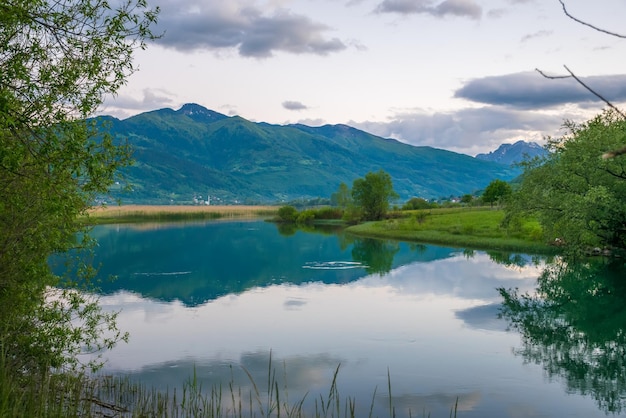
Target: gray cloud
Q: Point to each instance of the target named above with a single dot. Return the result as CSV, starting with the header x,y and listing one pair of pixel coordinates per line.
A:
x,y
463,8
540,34
469,131
496,13
293,105
193,26
531,90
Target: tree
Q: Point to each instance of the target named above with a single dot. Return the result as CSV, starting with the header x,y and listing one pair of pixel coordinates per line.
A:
x,y
372,194
467,199
416,203
497,191
577,196
58,59
342,197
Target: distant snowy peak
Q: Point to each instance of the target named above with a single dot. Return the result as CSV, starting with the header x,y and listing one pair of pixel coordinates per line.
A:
x,y
513,153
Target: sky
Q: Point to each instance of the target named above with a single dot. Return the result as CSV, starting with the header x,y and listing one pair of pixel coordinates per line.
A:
x,y
459,75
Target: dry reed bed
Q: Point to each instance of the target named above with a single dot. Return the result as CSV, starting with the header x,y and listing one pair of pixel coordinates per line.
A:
x,y
137,213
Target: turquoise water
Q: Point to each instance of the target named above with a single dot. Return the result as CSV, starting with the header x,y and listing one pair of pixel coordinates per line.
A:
x,y
220,297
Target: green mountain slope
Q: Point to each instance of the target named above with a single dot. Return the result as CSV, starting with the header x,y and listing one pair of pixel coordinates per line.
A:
x,y
195,151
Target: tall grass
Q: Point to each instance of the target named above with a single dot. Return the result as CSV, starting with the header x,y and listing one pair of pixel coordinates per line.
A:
x,y
147,213
67,396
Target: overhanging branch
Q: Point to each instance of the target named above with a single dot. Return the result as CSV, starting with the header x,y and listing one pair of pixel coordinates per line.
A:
x,y
582,83
589,24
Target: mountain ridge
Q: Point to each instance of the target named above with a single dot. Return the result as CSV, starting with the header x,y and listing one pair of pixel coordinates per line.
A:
x,y
513,153
194,151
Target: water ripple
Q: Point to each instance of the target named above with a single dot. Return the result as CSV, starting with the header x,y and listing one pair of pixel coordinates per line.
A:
x,y
333,265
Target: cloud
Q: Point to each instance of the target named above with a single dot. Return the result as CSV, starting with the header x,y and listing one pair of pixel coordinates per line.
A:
x,y
496,13
469,131
540,34
531,90
123,106
462,8
198,26
292,105
312,122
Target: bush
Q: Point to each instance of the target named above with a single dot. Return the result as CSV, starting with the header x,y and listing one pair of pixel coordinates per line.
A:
x,y
305,217
417,203
329,213
287,214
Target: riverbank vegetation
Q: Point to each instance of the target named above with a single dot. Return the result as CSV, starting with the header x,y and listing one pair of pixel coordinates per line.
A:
x,y
478,228
58,62
577,192
147,213
79,396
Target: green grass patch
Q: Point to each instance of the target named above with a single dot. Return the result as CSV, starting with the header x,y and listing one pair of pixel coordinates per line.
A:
x,y
479,228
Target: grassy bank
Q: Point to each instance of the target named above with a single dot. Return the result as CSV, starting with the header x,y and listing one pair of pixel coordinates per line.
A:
x,y
479,228
148,213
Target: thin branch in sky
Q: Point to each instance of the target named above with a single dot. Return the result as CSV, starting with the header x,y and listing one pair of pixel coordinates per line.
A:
x,y
582,83
589,24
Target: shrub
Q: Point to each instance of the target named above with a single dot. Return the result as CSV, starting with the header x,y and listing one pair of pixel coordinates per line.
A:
x,y
287,214
417,203
305,217
329,213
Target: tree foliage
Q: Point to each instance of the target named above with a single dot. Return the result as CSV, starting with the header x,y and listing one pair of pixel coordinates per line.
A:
x,y
577,195
372,194
416,203
342,198
497,191
58,59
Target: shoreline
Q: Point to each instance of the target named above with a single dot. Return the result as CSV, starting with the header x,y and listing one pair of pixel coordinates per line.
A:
x,y
141,214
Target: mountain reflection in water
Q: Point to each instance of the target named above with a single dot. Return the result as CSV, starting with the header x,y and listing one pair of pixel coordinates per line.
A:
x,y
216,298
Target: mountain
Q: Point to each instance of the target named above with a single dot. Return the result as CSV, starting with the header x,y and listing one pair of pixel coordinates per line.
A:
x,y
513,153
194,151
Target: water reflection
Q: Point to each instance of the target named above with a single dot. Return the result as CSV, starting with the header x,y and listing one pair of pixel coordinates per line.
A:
x,y
218,298
376,254
574,326
202,262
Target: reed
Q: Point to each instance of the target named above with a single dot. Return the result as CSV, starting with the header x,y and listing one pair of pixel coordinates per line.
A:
x,y
71,396
148,213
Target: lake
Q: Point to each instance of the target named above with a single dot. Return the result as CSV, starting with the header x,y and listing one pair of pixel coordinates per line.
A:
x,y
227,299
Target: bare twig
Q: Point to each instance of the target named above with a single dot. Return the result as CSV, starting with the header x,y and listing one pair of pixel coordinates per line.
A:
x,y
589,24
582,83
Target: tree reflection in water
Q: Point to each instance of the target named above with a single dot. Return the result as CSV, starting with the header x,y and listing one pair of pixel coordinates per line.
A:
x,y
376,254
575,327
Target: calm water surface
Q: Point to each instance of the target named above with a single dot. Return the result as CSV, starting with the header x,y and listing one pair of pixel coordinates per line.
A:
x,y
219,297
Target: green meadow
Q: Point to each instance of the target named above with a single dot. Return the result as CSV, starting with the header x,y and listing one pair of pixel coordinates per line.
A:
x,y
478,228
